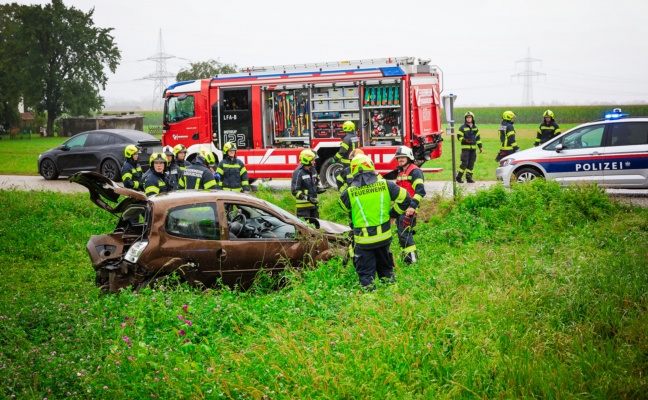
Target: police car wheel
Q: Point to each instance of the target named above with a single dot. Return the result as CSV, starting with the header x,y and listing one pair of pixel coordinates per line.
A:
x,y
527,175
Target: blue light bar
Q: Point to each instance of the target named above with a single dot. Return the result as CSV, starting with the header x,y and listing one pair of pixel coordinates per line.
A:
x,y
615,114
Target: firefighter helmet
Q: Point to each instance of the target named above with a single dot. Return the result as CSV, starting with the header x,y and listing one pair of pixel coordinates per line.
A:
x,y
508,115
469,114
306,156
229,146
179,149
348,126
130,150
355,152
404,151
548,113
168,151
207,156
157,157
361,163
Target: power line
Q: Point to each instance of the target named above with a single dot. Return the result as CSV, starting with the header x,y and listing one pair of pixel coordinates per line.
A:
x,y
527,75
160,76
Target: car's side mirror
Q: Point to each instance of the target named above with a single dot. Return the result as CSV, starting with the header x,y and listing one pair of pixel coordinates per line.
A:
x,y
63,147
559,148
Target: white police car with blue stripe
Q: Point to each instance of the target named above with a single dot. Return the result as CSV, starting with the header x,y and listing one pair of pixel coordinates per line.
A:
x,y
612,152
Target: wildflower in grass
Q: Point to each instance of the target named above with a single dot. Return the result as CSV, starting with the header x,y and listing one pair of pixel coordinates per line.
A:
x,y
181,332
187,340
126,339
180,317
186,307
188,322
105,388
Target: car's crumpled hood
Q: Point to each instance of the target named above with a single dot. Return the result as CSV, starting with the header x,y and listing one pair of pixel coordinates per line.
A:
x,y
102,189
328,226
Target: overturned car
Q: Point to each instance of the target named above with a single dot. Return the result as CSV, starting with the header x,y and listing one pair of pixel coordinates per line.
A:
x,y
203,237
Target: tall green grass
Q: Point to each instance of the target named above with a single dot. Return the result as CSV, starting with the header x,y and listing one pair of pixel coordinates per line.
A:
x,y
537,292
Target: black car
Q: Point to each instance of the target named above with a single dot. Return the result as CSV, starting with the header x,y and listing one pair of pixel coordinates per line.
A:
x,y
99,151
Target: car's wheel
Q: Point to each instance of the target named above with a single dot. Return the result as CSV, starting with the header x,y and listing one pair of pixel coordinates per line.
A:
x,y
110,170
527,175
329,171
48,169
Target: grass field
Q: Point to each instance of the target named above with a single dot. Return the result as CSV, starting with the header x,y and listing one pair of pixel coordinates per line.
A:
x,y
536,292
24,153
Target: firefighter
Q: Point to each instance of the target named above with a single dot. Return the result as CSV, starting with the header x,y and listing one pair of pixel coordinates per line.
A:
x,y
131,172
508,145
232,172
180,155
172,170
368,202
470,140
343,177
547,130
157,181
410,177
304,185
349,143
198,175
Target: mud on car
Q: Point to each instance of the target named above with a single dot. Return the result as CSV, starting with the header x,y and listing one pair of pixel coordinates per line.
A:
x,y
203,237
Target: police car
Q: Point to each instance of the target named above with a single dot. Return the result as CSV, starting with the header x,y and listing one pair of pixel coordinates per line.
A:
x,y
611,152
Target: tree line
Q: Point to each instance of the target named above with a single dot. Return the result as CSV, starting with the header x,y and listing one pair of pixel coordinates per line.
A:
x,y
55,60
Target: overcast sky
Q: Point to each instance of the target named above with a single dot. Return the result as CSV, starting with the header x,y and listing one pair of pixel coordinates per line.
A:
x,y
592,51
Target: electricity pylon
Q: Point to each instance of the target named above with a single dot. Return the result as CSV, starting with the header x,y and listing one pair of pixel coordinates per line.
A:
x,y
527,78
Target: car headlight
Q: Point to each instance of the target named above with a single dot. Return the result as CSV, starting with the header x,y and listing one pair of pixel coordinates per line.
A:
x,y
506,162
136,250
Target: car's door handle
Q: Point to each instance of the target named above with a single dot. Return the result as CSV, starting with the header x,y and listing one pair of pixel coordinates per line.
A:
x,y
222,254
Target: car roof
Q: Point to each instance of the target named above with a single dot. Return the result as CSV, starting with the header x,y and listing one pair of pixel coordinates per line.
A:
x,y
196,196
129,134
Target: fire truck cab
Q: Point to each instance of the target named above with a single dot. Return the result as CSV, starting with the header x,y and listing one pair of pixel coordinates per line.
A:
x,y
273,113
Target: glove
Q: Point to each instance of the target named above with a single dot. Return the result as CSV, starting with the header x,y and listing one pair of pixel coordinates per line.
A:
x,y
535,144
481,150
313,200
217,176
407,221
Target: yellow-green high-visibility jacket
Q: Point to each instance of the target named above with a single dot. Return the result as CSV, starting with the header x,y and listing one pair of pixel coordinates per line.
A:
x,y
371,202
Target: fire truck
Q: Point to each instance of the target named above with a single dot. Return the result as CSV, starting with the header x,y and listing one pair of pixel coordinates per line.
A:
x,y
272,113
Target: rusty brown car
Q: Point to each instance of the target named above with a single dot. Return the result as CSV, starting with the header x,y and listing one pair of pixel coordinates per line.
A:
x,y
203,237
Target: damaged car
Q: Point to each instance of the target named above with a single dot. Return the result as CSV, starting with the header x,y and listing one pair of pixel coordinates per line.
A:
x,y
205,238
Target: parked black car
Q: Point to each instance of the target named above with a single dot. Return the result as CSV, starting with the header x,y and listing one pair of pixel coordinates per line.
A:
x,y
99,151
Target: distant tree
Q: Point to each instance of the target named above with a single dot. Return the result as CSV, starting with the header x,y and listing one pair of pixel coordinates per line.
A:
x,y
205,69
61,57
9,90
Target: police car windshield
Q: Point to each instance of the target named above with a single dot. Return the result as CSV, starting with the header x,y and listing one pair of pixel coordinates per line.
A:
x,y
580,138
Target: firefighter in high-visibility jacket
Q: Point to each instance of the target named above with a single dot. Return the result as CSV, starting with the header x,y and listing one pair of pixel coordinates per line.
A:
x,y
344,176
547,130
198,175
131,172
368,201
410,177
508,144
304,185
157,181
470,140
349,143
232,171
180,154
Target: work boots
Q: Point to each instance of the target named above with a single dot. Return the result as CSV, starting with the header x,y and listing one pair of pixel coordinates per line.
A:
x,y
459,176
469,178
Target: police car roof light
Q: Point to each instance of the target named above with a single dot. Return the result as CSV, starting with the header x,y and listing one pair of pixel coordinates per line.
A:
x,y
615,114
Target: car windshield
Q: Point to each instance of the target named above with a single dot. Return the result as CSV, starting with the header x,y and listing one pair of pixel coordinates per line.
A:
x,y
179,108
581,138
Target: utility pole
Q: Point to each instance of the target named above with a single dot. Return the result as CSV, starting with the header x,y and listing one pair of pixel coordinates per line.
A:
x,y
448,105
160,76
527,75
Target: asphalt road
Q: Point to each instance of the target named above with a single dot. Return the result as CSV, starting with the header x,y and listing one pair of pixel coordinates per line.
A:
x,y
635,196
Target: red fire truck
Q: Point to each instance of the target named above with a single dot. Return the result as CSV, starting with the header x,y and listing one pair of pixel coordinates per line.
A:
x,y
273,113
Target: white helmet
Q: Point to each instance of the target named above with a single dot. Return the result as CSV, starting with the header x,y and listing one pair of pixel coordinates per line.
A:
x,y
404,151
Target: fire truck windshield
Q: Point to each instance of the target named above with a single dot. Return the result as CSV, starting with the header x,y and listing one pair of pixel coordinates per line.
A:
x,y
179,108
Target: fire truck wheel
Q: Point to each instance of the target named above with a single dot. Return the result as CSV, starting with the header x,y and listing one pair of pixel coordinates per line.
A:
x,y
329,171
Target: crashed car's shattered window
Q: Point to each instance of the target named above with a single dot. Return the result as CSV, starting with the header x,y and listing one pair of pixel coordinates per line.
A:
x,y
197,221
247,222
